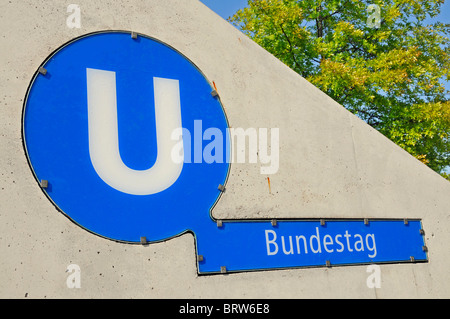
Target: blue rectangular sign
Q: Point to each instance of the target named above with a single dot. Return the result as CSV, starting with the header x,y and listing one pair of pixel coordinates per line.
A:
x,y
258,245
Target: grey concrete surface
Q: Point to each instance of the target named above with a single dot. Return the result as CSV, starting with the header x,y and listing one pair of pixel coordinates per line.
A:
x,y
332,165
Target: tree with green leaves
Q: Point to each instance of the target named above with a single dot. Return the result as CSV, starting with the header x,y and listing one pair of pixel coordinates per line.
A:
x,y
377,58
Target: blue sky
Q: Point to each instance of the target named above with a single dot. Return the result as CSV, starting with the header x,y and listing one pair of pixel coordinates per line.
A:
x,y
226,8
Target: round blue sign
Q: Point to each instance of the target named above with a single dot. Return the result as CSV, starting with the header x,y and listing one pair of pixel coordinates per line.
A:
x,y
128,135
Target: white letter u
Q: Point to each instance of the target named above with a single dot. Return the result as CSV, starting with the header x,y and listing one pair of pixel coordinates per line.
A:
x,y
104,139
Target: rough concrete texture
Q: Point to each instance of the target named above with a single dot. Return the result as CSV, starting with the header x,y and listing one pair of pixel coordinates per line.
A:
x,y
332,165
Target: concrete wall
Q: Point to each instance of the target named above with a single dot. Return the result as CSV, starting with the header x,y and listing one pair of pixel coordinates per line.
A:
x,y
332,165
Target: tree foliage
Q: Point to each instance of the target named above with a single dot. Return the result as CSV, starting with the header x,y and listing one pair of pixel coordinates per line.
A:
x,y
391,73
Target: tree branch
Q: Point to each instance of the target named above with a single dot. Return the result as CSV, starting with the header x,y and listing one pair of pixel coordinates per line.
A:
x,y
291,49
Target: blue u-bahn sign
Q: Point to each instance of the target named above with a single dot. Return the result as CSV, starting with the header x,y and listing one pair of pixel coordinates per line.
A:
x,y
109,127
